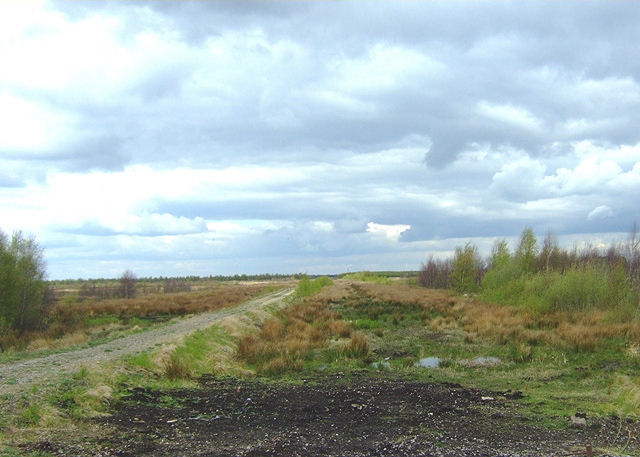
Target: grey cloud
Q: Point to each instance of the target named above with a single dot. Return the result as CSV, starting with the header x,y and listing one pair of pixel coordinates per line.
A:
x,y
489,52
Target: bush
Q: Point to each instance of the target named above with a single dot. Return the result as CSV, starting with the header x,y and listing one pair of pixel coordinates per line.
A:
x,y
547,279
435,274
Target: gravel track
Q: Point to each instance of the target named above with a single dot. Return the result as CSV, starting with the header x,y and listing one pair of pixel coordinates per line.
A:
x,y
16,376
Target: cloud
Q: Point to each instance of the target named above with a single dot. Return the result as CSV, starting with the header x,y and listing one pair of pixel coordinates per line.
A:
x,y
293,135
600,212
392,232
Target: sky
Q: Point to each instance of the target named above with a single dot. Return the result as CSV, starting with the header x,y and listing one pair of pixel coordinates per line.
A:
x,y
203,138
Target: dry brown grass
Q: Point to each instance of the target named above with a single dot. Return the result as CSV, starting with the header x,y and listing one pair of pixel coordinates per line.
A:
x,y
340,328
68,324
160,304
176,368
580,331
284,341
358,346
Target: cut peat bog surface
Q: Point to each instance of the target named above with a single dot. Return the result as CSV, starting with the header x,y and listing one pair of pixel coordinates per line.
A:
x,y
336,415
355,368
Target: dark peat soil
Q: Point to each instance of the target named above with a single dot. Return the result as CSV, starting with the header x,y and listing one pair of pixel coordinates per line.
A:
x,y
334,415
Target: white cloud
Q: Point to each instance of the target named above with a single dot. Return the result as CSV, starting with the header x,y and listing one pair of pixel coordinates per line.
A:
x,y
520,180
392,232
26,126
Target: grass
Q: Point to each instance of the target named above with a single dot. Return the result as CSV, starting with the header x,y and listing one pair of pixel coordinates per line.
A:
x,y
308,287
295,339
563,362
367,276
74,324
66,404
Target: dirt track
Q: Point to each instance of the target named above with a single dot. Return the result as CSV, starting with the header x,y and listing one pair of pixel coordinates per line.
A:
x,y
17,376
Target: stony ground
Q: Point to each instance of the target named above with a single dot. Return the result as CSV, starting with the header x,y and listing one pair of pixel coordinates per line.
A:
x,y
332,415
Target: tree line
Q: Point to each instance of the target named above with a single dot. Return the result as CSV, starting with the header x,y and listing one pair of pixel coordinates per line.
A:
x,y
543,276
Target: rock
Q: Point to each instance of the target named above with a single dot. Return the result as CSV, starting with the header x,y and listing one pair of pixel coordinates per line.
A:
x,y
578,421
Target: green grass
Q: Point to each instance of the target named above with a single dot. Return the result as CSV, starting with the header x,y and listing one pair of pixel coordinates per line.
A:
x,y
367,276
308,287
580,288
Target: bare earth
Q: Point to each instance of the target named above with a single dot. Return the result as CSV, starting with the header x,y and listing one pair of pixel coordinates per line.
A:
x,y
16,376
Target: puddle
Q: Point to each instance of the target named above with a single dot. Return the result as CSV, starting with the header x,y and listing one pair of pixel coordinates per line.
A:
x,y
429,362
481,362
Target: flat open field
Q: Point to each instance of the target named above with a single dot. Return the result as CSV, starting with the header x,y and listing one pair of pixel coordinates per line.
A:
x,y
338,373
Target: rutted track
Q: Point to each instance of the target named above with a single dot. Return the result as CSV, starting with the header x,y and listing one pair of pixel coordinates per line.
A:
x,y
17,375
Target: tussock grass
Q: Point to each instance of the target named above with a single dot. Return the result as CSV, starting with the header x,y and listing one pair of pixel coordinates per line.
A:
x,y
176,367
577,330
358,347
294,334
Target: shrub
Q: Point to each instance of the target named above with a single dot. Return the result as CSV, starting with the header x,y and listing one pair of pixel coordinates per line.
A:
x,y
435,274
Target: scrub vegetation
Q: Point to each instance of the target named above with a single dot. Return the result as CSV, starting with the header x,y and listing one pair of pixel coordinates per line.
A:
x,y
546,278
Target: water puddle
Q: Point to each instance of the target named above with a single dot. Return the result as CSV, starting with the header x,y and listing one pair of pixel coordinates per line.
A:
x,y
429,362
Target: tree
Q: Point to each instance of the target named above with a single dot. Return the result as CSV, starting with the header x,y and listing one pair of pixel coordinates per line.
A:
x,y
527,251
500,255
467,269
550,255
128,284
22,284
435,274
